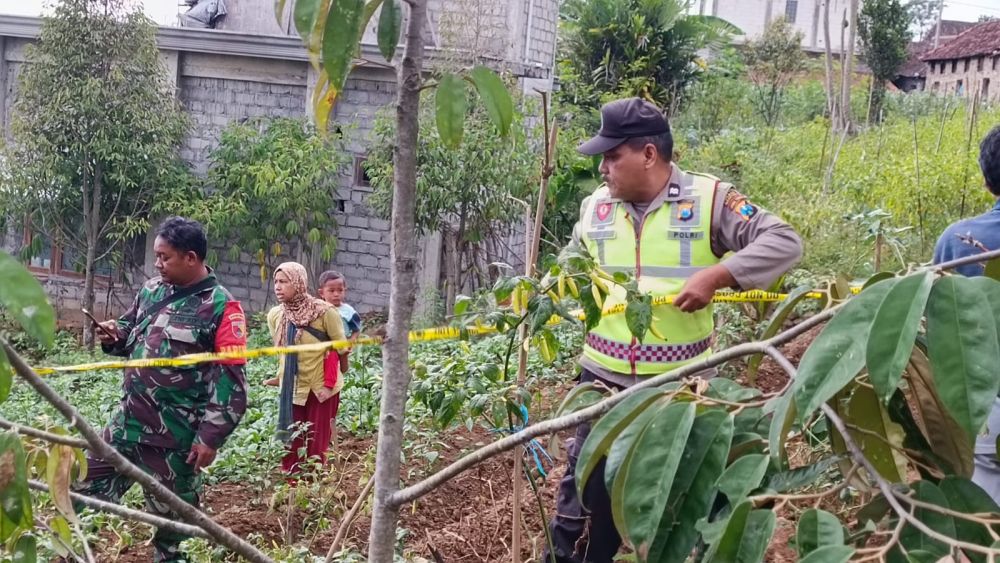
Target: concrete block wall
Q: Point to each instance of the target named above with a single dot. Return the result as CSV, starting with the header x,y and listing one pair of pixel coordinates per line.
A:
x,y
979,74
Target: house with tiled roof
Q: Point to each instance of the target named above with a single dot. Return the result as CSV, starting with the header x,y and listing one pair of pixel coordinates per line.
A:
x,y
912,76
968,65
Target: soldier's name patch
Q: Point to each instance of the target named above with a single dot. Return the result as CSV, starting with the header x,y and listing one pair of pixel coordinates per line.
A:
x,y
685,235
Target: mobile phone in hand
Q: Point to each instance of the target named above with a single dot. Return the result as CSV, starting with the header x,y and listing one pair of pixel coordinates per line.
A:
x,y
99,325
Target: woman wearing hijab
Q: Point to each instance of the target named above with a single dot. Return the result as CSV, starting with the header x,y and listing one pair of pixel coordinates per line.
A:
x,y
301,318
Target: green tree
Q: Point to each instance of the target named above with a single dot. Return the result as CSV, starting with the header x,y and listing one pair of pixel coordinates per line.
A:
x,y
95,132
923,14
470,194
884,29
772,62
270,191
644,48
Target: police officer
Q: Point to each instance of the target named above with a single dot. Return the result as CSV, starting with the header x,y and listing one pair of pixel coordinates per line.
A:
x,y
172,420
672,230
966,238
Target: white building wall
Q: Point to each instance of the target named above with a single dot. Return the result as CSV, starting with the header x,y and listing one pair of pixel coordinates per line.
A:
x,y
752,17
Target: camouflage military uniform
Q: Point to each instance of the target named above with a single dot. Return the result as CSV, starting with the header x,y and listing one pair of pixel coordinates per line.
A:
x,y
164,411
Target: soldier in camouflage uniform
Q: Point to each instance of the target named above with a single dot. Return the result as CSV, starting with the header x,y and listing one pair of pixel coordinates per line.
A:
x,y
172,420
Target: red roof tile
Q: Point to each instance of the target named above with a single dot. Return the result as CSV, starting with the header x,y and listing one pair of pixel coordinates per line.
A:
x,y
984,39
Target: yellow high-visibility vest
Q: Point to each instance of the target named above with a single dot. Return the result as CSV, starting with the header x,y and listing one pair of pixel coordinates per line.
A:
x,y
673,244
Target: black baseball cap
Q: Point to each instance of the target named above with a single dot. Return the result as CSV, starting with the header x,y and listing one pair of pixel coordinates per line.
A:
x,y
622,120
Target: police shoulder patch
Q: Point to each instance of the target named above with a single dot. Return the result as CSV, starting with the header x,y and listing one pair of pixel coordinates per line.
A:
x,y
740,205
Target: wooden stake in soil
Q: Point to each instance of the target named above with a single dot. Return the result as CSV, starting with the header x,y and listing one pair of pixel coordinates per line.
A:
x,y
533,237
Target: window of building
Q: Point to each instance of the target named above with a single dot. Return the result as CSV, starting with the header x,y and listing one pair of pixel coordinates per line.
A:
x,y
791,10
995,61
959,87
966,65
986,88
361,178
954,65
43,257
979,64
935,87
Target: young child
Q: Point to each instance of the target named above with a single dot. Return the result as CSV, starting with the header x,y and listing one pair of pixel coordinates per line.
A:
x,y
333,289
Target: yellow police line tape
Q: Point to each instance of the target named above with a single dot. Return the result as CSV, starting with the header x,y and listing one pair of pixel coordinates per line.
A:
x,y
425,335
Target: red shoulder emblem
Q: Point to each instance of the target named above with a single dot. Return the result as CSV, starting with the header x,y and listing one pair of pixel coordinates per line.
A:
x,y
232,332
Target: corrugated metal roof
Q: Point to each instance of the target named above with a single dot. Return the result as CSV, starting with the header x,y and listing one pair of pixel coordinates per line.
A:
x,y
984,39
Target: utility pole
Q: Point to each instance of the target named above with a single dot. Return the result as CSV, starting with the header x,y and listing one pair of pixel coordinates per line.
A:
x,y
937,33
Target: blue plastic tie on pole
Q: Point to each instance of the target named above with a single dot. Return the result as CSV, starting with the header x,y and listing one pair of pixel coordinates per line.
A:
x,y
534,446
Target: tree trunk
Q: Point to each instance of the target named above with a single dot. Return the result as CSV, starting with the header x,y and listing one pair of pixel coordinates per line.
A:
x,y
848,66
452,263
877,101
831,99
403,252
91,223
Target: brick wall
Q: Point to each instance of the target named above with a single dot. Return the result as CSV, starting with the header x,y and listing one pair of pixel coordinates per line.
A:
x,y
271,90
966,77
213,103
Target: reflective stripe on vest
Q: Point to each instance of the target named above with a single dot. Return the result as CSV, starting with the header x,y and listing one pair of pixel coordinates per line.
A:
x,y
673,244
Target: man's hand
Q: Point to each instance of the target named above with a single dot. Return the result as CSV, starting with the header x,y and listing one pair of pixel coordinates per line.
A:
x,y
697,293
108,332
201,456
324,395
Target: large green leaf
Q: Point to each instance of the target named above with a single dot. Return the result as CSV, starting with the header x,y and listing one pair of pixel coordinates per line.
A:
x,y
830,554
965,496
877,435
15,499
304,16
963,348
341,35
279,10
390,23
24,299
6,376
605,430
58,474
451,107
914,440
992,269
781,424
26,550
745,538
644,481
496,98
894,331
913,539
838,353
991,289
818,528
774,324
622,445
639,315
580,397
743,476
693,490
946,438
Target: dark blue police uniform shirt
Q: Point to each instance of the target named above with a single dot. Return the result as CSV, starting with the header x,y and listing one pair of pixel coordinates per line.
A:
x,y
984,228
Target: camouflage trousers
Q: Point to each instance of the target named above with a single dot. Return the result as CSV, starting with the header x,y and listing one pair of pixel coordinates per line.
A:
x,y
168,466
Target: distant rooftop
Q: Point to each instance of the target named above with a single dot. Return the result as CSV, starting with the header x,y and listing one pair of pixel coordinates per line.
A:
x,y
982,39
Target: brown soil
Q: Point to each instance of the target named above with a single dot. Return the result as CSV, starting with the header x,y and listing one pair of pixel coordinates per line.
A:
x,y
468,518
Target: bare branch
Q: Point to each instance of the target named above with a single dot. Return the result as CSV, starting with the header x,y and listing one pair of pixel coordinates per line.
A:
x,y
104,450
128,513
43,435
349,519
